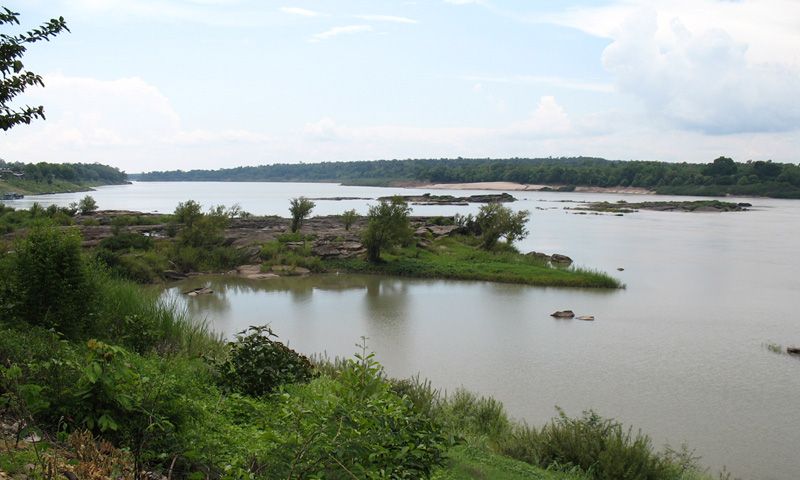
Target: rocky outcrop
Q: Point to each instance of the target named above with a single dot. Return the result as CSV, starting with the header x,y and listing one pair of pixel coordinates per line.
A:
x,y
436,230
253,272
428,199
561,259
563,314
556,258
328,249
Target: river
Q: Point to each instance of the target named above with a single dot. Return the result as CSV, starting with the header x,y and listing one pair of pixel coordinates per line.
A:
x,y
679,353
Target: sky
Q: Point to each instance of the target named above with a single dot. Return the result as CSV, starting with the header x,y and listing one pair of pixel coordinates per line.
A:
x,y
180,84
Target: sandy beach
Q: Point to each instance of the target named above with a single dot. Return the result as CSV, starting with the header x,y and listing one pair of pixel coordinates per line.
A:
x,y
511,186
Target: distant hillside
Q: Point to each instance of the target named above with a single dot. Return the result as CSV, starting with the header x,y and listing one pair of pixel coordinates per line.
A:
x,y
30,178
721,177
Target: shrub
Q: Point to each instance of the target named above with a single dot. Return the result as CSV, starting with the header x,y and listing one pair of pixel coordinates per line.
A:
x,y
353,427
87,205
300,208
387,225
348,218
258,364
599,446
51,285
496,221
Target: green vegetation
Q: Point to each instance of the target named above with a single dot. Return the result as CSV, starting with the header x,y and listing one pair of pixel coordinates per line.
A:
x,y
721,177
34,178
133,385
460,258
300,208
16,79
495,221
387,225
689,206
349,218
87,205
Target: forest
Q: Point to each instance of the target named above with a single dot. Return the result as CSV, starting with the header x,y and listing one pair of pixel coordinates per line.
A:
x,y
82,173
723,176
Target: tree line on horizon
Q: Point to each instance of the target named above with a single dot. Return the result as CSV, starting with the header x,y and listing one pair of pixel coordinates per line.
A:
x,y
720,177
93,173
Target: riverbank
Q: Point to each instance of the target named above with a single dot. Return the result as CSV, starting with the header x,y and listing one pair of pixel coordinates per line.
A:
x,y
31,187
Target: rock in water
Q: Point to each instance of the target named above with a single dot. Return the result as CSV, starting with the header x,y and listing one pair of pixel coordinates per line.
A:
x,y
793,350
199,291
563,314
586,318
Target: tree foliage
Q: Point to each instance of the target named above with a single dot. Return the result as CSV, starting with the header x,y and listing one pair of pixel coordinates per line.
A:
x,y
387,225
87,205
348,218
52,287
497,221
16,78
717,178
300,208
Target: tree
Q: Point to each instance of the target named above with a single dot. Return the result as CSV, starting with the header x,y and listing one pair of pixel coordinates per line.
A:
x,y
87,205
497,221
300,208
387,225
15,77
348,218
52,286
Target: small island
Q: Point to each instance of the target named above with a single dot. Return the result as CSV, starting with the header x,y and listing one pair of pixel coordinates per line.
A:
x,y
665,206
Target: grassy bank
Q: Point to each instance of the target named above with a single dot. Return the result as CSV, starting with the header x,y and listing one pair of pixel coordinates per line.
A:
x,y
31,187
456,258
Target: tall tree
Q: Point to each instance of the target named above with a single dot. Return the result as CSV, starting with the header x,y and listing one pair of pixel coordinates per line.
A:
x,y
16,78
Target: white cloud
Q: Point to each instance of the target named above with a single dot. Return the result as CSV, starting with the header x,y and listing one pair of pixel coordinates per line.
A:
x,y
466,2
386,18
549,119
336,31
701,81
303,12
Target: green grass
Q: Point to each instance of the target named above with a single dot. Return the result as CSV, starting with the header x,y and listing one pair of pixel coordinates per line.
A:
x,y
470,462
453,258
30,187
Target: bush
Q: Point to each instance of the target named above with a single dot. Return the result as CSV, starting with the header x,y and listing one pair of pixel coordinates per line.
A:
x,y
257,364
353,427
387,225
87,205
300,208
599,446
348,218
496,221
51,283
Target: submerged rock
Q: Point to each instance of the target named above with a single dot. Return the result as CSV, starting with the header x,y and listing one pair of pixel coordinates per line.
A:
x,y
563,314
199,291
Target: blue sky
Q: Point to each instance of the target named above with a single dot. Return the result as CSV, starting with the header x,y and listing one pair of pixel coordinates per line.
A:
x,y
167,84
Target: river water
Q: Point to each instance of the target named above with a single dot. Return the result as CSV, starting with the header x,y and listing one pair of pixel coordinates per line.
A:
x,y
679,353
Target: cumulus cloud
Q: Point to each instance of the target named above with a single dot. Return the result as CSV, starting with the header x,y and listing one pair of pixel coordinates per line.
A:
x,y
701,81
337,31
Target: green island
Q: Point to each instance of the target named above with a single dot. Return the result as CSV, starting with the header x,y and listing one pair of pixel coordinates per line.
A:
x,y
623,206
40,178
721,177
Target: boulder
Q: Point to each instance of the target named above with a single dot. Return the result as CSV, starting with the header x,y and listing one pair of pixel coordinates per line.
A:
x,y
173,275
793,350
253,272
199,291
442,230
563,314
558,258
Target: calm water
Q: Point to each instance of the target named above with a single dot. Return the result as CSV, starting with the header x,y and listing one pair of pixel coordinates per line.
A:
x,y
679,353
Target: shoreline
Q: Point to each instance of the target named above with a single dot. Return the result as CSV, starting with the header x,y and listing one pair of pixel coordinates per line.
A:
x,y
523,187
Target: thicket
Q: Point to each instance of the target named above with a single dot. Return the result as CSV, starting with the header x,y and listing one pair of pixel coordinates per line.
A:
x,y
89,173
